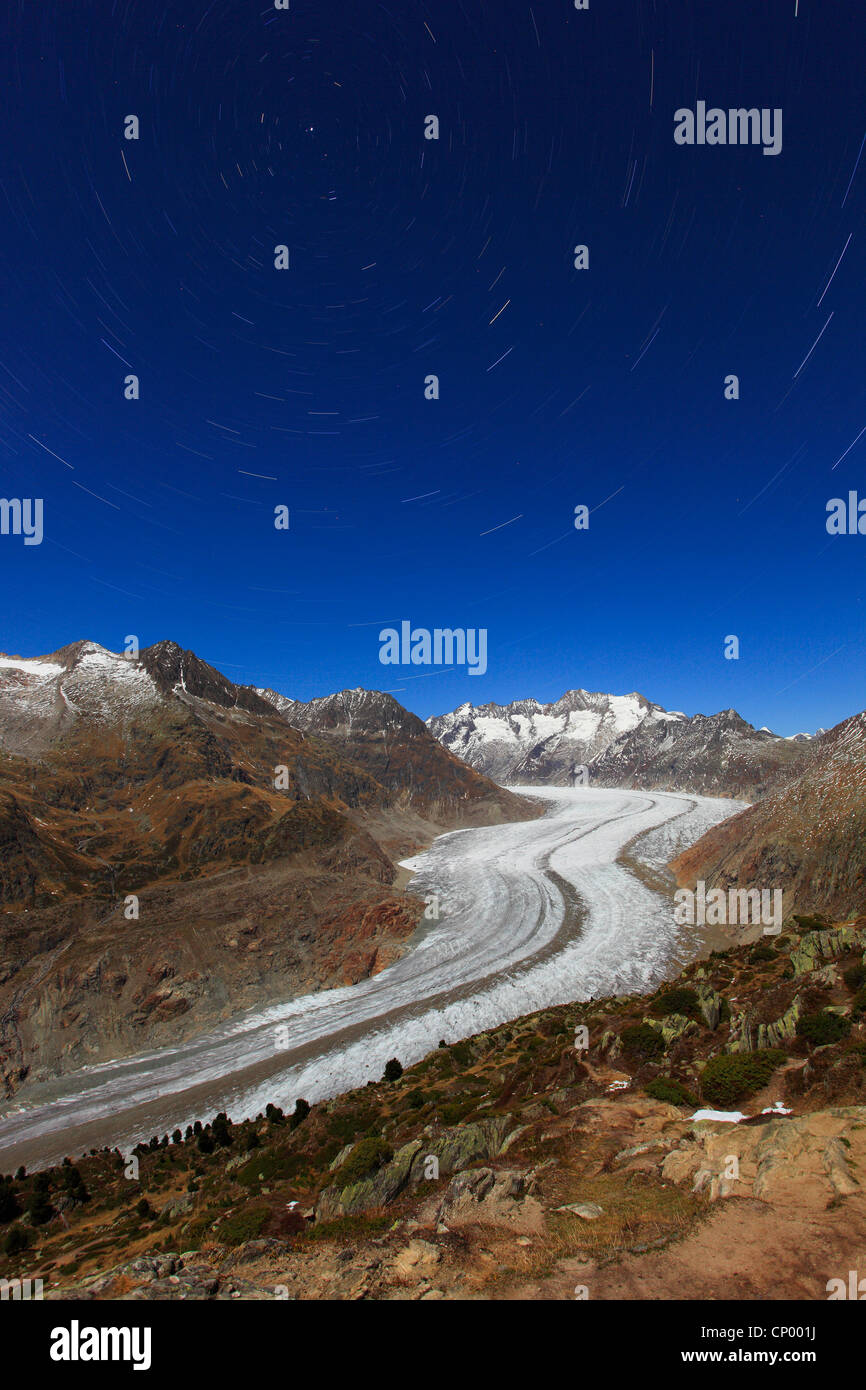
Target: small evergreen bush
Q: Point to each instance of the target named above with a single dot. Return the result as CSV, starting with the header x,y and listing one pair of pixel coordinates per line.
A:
x,y
733,1076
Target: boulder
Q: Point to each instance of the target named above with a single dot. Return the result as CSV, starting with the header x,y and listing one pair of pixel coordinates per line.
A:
x,y
375,1190
492,1198
710,1003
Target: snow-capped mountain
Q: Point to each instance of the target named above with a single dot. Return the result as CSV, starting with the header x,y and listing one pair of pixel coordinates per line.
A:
x,y
44,699
527,741
622,741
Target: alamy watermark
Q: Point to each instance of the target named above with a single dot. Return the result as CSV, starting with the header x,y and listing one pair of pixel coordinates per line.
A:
x,y
737,126
738,907
444,646
22,516
21,1289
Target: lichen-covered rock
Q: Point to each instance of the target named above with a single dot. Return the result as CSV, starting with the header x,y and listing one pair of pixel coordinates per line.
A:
x,y
673,1026
710,1004
375,1190
453,1149
816,946
456,1148
742,1035
784,1028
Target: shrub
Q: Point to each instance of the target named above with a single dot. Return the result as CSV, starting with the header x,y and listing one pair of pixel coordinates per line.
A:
x,y
367,1155
9,1207
349,1227
666,1088
823,1027
858,1003
676,1001
17,1240
732,1076
142,1208
415,1098
453,1111
245,1225
300,1113
816,923
642,1042
393,1070
855,976
760,954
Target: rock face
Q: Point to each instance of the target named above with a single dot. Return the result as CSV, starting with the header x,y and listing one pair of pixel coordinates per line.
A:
x,y
622,741
492,1197
786,1161
453,1149
173,849
806,836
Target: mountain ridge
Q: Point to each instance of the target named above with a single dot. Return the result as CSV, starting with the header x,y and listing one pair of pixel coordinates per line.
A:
x,y
618,740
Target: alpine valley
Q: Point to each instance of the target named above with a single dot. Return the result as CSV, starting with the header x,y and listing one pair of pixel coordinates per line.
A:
x,y
190,868
265,847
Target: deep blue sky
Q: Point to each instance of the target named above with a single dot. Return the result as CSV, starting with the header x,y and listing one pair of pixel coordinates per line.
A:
x,y
261,127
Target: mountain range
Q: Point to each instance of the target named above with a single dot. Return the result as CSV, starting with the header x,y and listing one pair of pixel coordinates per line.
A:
x,y
619,741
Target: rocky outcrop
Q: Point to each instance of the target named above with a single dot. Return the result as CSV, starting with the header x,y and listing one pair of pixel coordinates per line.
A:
x,y
493,1197
786,1160
817,946
673,1026
452,1149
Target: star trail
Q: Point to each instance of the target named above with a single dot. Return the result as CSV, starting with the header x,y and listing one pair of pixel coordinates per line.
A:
x,y
429,279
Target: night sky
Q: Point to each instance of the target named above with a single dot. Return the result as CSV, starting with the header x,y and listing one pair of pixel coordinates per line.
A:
x,y
455,257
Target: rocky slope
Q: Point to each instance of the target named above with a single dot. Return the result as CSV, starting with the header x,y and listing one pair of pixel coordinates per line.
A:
x,y
712,755
534,1161
396,748
173,849
807,836
621,741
